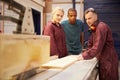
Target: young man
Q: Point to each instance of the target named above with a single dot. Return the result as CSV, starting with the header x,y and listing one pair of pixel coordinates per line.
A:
x,y
74,32
101,46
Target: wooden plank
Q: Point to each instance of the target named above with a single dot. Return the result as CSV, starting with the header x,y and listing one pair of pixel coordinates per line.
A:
x,y
61,63
81,70
19,53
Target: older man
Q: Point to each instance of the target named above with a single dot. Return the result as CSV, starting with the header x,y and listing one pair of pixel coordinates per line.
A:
x,y
101,46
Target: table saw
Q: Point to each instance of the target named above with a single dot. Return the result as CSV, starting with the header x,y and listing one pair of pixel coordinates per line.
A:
x,y
68,69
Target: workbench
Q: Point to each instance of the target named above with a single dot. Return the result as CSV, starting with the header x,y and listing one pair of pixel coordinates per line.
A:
x,y
78,70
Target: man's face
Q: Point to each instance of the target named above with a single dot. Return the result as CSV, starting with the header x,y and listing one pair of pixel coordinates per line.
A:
x,y
72,16
90,18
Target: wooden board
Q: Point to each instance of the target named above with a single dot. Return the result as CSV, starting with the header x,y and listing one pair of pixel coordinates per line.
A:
x,y
80,70
61,63
19,53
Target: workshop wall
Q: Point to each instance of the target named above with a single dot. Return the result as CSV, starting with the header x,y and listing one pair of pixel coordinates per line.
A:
x,y
9,27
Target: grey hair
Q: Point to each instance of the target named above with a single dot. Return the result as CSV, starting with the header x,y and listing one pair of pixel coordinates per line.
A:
x,y
90,10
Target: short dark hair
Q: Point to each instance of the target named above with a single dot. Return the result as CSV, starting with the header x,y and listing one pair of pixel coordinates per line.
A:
x,y
71,9
90,10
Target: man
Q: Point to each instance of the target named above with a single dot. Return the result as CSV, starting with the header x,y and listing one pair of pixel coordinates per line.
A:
x,y
101,46
74,32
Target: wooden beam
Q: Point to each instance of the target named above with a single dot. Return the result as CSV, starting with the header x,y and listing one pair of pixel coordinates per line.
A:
x,y
61,63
